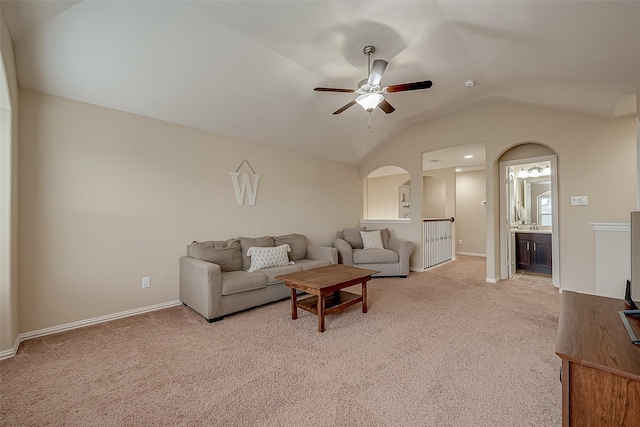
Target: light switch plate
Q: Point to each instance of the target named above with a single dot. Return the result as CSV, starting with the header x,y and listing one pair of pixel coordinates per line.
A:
x,y
579,200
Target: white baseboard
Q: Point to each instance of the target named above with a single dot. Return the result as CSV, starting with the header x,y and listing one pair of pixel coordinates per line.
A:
x,y
12,351
472,254
492,279
82,323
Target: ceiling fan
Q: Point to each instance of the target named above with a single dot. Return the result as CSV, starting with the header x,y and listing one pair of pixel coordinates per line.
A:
x,y
371,94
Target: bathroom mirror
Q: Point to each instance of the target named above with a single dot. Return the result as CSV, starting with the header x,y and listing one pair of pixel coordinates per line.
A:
x,y
531,201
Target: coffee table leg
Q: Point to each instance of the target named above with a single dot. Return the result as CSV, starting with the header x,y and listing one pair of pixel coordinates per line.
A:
x,y
294,304
364,297
321,305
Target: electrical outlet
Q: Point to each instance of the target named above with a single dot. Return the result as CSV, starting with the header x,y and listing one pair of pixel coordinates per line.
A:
x,y
460,241
146,282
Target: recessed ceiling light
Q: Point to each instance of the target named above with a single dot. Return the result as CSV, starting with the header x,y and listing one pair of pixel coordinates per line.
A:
x,y
468,156
470,83
458,169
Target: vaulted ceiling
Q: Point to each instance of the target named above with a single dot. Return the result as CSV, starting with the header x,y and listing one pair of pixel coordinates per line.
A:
x,y
248,68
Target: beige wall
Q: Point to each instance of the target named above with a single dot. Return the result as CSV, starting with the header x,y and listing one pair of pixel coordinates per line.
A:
x,y
9,321
471,223
581,142
448,176
382,196
434,202
108,197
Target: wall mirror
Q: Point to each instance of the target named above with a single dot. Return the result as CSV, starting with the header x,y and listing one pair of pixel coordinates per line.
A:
x,y
531,201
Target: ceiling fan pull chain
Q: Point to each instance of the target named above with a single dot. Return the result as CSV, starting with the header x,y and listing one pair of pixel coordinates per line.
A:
x,y
369,121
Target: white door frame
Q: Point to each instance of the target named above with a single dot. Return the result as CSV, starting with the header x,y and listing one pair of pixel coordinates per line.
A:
x,y
505,226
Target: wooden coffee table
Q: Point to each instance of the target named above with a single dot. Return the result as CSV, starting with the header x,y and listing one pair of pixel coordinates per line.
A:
x,y
325,284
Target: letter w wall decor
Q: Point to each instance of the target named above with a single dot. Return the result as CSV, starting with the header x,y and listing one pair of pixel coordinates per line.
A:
x,y
246,185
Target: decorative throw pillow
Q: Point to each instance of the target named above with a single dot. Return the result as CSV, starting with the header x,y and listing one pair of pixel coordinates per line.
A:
x,y
226,254
247,242
386,235
265,257
371,239
297,243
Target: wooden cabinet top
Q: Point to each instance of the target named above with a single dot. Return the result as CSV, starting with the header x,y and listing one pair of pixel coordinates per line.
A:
x,y
591,333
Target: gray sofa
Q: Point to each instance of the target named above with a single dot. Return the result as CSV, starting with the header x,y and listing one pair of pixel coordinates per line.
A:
x,y
215,276
391,259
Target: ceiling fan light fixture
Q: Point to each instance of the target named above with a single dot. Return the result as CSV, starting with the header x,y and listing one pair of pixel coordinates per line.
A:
x,y
369,101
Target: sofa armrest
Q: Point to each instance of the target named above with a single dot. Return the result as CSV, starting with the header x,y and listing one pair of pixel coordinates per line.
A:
x,y
323,253
404,248
345,253
201,286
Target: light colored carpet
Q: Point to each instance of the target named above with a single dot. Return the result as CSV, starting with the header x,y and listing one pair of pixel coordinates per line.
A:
x,y
440,348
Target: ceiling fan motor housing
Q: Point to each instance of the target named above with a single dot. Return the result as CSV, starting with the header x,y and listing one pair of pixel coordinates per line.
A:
x,y
371,95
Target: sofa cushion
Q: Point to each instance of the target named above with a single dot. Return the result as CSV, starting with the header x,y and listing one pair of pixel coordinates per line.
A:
x,y
371,239
234,282
308,264
276,271
226,254
353,237
247,242
374,256
297,243
266,257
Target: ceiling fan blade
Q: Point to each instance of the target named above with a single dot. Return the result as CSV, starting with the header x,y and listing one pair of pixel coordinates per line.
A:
x,y
330,89
345,107
410,86
386,107
377,70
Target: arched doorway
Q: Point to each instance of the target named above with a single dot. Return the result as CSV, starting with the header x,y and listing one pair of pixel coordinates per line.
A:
x,y
529,211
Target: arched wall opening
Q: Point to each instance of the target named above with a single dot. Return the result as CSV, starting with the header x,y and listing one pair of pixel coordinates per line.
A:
x,y
529,238
387,194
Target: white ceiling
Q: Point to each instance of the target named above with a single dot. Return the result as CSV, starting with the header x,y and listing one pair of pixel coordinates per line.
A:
x,y
248,69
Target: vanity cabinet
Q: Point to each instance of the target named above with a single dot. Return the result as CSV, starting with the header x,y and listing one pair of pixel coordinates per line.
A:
x,y
533,252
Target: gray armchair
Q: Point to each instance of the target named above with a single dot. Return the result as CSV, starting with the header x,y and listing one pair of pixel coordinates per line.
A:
x,y
392,259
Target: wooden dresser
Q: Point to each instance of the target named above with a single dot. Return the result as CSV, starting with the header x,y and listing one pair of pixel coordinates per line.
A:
x,y
600,364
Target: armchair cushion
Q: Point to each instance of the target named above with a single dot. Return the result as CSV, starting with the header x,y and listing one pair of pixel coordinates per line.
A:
x,y
352,237
375,256
224,253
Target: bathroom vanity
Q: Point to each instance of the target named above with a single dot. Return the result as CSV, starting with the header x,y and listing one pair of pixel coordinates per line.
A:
x,y
533,251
